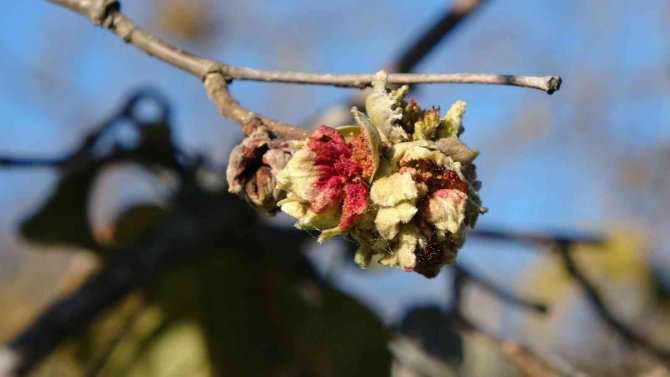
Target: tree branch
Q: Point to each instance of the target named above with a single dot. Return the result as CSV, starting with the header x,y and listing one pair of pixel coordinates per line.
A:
x,y
217,89
30,162
501,293
544,239
527,359
563,244
107,13
548,84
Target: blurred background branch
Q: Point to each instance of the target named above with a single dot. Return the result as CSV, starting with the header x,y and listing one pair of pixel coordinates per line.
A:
x,y
627,333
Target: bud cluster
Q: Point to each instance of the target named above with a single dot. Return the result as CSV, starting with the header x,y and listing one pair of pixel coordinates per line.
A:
x,y
400,182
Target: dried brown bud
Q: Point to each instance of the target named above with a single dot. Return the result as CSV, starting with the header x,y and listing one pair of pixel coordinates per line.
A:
x,y
253,166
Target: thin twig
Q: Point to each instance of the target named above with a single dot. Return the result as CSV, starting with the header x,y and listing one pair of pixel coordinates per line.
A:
x,y
548,84
107,13
501,293
535,238
30,162
217,89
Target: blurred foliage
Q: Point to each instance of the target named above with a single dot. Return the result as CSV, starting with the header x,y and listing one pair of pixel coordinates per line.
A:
x,y
235,315
623,273
236,307
192,20
427,342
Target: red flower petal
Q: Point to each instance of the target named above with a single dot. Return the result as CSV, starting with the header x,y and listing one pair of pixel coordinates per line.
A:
x,y
330,192
355,203
343,168
328,145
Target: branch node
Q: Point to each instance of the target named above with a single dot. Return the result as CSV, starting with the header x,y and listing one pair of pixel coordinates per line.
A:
x,y
218,69
101,12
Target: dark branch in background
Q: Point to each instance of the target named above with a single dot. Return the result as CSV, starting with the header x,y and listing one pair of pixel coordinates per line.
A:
x,y
107,13
97,366
29,162
532,362
431,37
627,334
542,239
409,58
564,244
89,150
501,293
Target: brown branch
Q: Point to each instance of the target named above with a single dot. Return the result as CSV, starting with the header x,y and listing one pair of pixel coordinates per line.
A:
x,y
217,89
107,13
548,84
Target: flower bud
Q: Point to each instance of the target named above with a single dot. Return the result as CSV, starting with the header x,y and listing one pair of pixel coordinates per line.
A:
x,y
400,182
254,165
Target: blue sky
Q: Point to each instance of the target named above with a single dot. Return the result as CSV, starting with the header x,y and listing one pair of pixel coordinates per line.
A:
x,y
547,162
